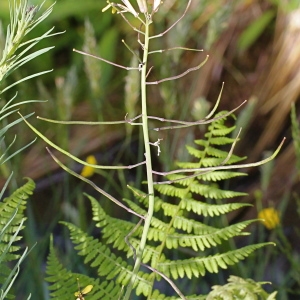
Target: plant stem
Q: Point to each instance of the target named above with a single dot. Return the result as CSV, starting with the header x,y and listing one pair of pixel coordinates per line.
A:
x,y
148,218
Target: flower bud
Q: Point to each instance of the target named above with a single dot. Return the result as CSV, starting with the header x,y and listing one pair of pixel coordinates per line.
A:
x,y
142,6
156,4
129,7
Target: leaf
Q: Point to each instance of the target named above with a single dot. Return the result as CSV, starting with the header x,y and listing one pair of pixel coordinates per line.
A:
x,y
254,30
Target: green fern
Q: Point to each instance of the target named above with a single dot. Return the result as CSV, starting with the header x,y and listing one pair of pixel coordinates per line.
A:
x,y
240,289
177,229
16,52
11,223
66,282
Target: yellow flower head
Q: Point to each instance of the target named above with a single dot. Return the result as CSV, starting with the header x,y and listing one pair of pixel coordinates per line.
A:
x,y
88,171
270,217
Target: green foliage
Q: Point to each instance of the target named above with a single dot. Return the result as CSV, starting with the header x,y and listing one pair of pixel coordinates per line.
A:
x,y
181,224
11,223
240,289
66,282
254,30
261,23
289,282
16,50
15,53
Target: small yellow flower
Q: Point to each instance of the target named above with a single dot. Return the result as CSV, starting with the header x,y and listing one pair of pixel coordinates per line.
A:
x,y
113,9
88,171
270,217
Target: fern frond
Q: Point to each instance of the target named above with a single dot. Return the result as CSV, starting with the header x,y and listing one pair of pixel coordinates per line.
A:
x,y
240,289
12,213
179,229
196,267
218,126
107,263
65,282
155,222
220,175
202,241
206,209
221,141
210,162
96,253
11,223
143,199
170,190
215,152
212,191
180,179
190,225
220,130
198,207
117,231
151,254
214,176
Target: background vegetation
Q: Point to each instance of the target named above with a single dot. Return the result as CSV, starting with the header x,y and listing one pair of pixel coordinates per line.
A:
x,y
253,48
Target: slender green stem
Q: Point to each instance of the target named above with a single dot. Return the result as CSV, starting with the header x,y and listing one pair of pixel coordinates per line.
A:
x,y
143,241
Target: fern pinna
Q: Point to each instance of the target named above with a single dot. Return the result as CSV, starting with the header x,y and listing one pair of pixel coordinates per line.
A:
x,y
11,223
180,224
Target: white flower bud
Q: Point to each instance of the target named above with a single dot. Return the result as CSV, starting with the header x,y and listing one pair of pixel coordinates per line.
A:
x,y
156,4
142,6
130,7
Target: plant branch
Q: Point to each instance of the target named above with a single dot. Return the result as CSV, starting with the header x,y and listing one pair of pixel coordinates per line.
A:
x,y
107,61
149,170
180,75
209,171
184,13
134,54
110,197
74,157
175,48
126,121
188,124
201,170
172,284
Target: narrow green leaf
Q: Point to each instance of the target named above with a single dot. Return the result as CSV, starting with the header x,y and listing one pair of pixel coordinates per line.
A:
x,y
254,30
